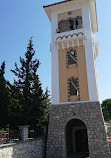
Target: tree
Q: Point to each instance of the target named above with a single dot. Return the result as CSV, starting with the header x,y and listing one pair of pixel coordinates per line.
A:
x,y
14,108
27,92
4,99
46,106
106,108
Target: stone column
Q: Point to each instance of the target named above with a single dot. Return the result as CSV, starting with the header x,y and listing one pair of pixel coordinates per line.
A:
x,y
24,132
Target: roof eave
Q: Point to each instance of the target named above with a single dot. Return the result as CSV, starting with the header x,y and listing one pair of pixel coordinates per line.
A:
x,y
56,3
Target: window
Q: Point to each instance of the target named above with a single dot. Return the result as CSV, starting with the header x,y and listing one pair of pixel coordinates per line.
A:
x,y
62,26
73,87
72,57
79,22
70,24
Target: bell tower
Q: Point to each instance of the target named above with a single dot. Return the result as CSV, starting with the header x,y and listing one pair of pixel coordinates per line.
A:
x,y
74,49
76,125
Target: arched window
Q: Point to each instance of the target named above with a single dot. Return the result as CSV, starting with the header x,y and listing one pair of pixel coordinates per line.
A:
x,y
71,57
73,87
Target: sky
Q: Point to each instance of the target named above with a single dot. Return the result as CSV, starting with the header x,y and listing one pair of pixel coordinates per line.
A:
x,y
22,19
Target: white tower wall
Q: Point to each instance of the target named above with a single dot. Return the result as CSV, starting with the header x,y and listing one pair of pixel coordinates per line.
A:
x,y
89,48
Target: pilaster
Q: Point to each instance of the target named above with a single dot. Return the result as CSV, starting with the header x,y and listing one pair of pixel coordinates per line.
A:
x,y
90,65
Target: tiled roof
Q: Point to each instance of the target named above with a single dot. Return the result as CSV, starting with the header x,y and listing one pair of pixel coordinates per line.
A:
x,y
56,3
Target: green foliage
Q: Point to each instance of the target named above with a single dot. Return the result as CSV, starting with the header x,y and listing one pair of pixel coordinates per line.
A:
x,y
46,106
14,109
106,108
29,106
4,100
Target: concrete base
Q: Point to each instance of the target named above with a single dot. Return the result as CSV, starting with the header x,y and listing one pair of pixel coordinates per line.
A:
x,y
89,113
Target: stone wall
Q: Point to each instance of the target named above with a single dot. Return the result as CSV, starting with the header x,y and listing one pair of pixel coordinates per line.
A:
x,y
108,128
110,148
28,149
88,112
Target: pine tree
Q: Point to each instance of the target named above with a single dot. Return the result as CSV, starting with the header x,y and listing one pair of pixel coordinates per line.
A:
x,y
29,93
4,100
14,108
46,107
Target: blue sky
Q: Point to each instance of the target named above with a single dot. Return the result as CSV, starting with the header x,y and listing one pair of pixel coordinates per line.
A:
x,y
21,19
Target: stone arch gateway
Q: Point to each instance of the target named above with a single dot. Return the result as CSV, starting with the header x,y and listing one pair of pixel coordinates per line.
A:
x,y
76,139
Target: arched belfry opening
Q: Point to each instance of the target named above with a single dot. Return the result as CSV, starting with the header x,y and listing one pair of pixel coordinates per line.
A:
x,y
76,139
